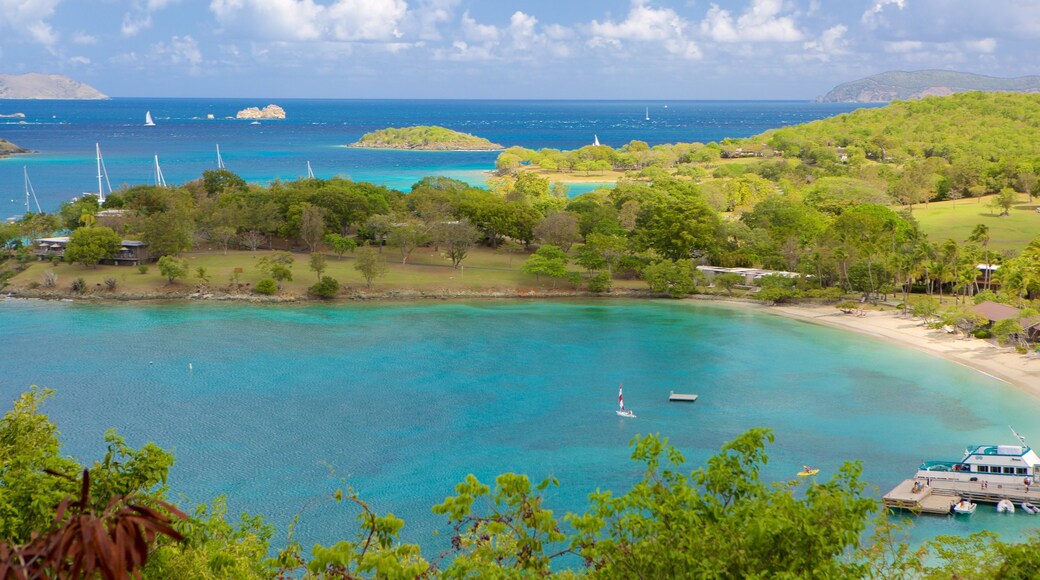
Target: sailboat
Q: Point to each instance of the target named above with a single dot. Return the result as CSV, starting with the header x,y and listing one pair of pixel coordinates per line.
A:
x,y
220,161
595,141
160,181
310,172
148,122
648,113
621,404
100,171
28,189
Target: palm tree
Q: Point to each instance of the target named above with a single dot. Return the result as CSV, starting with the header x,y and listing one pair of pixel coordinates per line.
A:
x,y
980,235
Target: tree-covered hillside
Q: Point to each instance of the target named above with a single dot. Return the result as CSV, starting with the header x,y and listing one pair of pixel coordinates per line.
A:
x,y
901,85
424,137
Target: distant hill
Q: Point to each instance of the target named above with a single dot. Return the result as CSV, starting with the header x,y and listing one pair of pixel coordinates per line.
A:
x,y
425,138
8,148
42,86
901,86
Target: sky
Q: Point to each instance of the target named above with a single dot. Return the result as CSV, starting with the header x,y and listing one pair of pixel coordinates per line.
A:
x,y
501,49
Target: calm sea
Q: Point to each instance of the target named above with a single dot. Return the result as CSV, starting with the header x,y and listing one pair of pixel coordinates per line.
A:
x,y
64,134
406,399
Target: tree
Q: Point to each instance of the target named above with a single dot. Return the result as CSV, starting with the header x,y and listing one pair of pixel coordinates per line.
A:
x,y
278,266
728,281
169,232
547,261
559,228
173,268
370,264
312,226
457,238
87,246
318,264
1004,200
406,237
340,244
327,287
676,279
678,227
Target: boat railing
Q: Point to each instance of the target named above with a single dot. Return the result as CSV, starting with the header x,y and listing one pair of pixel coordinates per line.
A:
x,y
943,466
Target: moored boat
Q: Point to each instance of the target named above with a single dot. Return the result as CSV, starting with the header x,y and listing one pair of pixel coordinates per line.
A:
x,y
1005,506
622,411
1030,508
1015,466
964,507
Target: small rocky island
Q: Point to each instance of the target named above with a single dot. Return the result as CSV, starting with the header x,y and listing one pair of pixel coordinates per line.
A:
x,y
8,148
425,138
44,86
267,113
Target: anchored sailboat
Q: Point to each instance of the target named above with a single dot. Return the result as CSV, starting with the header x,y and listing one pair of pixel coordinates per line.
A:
x,y
621,404
648,113
310,172
220,161
100,171
595,141
28,189
160,181
148,122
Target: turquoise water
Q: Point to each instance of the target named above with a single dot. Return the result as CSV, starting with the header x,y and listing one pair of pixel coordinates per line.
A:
x,y
406,399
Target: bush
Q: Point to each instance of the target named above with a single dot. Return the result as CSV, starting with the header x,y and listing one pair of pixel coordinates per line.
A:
x,y
142,268
79,285
982,333
266,286
600,282
50,279
776,295
110,284
328,287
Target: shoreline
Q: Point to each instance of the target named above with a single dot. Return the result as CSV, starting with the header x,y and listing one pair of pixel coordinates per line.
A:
x,y
1001,363
998,362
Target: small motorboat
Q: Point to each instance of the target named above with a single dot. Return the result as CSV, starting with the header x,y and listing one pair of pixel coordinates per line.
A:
x,y
964,507
807,471
1030,508
1005,506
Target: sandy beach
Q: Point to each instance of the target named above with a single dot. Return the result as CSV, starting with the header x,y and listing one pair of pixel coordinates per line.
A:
x,y
999,362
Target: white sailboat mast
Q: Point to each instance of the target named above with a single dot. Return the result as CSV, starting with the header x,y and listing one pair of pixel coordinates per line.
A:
x,y
100,191
29,188
220,162
160,181
310,172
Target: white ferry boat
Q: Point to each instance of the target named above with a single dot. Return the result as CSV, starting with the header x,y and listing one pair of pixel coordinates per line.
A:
x,y
993,464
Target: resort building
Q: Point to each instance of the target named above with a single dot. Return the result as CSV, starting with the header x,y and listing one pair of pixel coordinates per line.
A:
x,y
750,274
131,253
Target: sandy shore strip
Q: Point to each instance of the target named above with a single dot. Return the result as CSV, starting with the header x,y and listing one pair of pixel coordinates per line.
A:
x,y
999,362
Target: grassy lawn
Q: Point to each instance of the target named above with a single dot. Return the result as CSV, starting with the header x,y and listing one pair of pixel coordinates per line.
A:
x,y
956,219
484,270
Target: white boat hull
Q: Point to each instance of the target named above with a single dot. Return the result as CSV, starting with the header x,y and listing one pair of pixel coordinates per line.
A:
x,y
1005,506
628,414
965,507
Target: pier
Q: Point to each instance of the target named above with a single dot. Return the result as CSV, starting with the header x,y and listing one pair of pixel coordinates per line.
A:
x,y
938,496
680,397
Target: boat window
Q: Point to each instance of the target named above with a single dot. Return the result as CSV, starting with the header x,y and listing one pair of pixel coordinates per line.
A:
x,y
1010,470
983,469
1021,471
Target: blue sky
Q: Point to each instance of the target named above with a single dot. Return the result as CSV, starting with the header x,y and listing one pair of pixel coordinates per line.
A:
x,y
637,49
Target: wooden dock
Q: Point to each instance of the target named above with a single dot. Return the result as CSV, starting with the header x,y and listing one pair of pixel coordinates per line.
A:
x,y
680,397
938,496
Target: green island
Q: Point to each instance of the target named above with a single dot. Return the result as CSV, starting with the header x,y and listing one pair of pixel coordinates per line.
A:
x,y
424,138
891,209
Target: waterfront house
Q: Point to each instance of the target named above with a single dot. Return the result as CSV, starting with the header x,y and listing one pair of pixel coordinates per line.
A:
x,y
131,253
995,311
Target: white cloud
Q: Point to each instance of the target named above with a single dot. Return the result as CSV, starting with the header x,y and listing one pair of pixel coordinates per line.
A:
x,y
79,60
902,46
875,15
646,24
831,43
761,22
181,50
305,20
140,16
474,31
984,45
80,37
29,17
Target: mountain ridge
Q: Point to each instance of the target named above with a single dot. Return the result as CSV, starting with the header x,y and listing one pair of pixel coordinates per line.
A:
x,y
45,86
907,85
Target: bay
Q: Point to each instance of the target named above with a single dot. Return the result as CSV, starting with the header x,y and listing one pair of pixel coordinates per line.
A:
x,y
266,403
64,133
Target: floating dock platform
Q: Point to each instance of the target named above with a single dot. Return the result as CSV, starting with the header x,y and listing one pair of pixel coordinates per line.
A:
x,y
939,496
679,397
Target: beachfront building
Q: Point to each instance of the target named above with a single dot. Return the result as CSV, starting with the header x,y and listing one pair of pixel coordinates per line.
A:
x,y
995,312
131,253
751,275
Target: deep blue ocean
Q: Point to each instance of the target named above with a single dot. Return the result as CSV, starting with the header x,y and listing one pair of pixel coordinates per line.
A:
x,y
64,134
406,399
